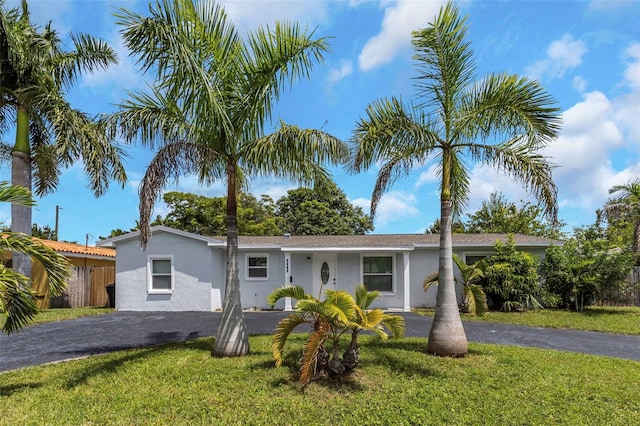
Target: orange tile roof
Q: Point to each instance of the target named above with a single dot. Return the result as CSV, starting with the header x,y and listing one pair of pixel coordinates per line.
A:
x,y
64,247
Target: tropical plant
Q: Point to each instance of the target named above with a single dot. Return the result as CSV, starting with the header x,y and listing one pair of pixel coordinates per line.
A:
x,y
499,216
338,314
213,92
17,299
626,207
585,268
474,299
511,280
501,120
50,134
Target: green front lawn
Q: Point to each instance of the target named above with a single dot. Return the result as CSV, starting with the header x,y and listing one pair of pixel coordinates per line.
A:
x,y
397,384
59,314
606,319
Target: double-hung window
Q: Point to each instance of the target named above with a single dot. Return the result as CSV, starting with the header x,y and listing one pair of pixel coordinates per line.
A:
x,y
160,274
257,266
377,273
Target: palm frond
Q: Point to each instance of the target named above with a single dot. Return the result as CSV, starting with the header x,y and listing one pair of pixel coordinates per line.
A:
x,y
15,194
365,298
476,299
17,300
309,357
430,280
171,162
284,328
293,291
395,324
293,153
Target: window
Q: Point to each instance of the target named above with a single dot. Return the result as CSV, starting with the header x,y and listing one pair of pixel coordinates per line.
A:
x,y
377,273
257,266
160,274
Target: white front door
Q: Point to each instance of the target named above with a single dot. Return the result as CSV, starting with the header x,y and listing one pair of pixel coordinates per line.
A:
x,y
325,267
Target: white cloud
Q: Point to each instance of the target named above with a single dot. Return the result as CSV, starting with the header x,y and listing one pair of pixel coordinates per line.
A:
x,y
428,176
400,18
119,77
395,206
579,83
337,74
247,15
562,55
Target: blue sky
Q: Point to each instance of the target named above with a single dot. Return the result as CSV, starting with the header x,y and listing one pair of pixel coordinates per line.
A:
x,y
586,54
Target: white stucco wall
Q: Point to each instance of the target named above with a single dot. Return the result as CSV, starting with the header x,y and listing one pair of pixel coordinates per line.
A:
x,y
254,292
193,266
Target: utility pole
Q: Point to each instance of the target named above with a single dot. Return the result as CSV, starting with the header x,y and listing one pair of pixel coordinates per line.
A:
x,y
58,208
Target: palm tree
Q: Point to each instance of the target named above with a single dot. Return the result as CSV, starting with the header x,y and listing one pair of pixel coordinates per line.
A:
x,y
17,299
50,134
207,111
627,205
338,314
501,120
474,299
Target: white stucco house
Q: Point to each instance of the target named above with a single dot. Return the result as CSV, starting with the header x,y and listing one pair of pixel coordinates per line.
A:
x,y
180,271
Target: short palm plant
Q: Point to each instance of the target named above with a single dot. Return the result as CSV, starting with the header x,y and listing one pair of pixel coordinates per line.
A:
x,y
474,299
338,314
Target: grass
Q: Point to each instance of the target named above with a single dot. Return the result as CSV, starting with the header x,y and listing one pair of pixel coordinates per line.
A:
x,y
397,384
60,314
608,319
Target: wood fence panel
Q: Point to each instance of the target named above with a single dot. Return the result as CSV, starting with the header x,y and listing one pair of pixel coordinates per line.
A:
x,y
86,287
101,277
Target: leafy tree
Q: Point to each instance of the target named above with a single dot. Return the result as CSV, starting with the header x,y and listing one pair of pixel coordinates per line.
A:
x,y
206,112
50,134
206,216
338,314
457,227
511,278
320,211
623,211
497,215
43,232
584,268
501,120
17,299
474,299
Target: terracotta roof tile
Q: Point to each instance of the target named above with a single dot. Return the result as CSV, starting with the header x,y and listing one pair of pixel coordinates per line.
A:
x,y
64,247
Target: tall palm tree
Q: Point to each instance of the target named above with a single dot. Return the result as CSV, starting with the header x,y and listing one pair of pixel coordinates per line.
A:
x,y
206,114
17,299
627,204
50,134
500,120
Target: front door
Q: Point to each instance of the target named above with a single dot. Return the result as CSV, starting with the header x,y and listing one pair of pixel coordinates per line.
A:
x,y
324,273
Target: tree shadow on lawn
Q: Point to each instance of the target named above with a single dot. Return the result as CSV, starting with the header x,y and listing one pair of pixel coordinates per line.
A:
x,y
100,365
8,390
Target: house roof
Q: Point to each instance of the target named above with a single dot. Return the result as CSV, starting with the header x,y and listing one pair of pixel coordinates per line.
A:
x,y
371,242
78,250
383,241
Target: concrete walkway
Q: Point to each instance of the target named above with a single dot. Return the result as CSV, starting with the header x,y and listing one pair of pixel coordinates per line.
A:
x,y
63,340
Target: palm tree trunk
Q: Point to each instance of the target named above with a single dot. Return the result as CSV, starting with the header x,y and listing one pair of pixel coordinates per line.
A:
x,y
21,176
446,337
232,338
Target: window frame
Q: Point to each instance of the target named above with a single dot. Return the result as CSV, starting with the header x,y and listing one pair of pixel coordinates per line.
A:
x,y
247,267
151,275
392,274
483,255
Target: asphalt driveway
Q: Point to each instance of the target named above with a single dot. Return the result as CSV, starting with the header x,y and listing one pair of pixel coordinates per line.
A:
x,y
63,340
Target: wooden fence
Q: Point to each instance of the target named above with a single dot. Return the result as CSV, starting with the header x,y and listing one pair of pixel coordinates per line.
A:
x,y
86,287
626,295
